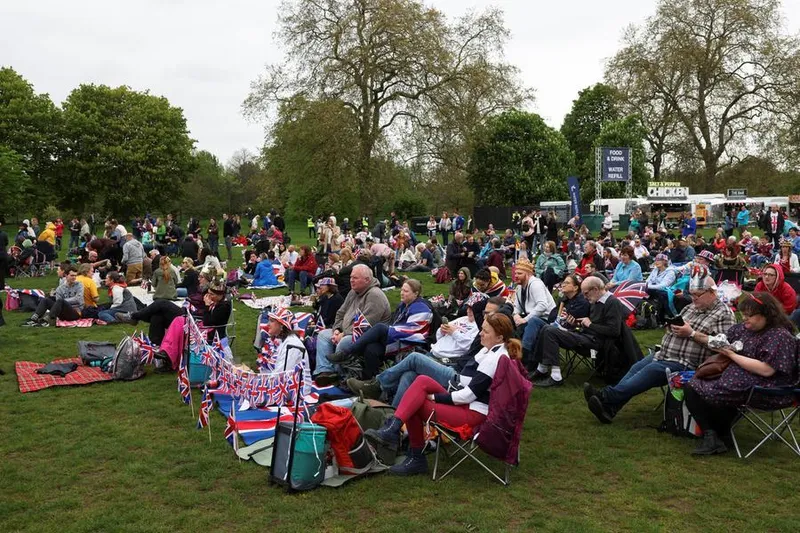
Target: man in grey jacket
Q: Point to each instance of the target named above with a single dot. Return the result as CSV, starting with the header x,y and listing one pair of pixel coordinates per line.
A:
x,y
133,258
66,304
365,296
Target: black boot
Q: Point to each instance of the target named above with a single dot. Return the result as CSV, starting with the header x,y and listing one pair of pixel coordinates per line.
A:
x,y
388,435
415,463
711,444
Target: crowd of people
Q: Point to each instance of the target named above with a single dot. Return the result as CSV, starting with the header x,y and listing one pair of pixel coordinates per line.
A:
x,y
526,293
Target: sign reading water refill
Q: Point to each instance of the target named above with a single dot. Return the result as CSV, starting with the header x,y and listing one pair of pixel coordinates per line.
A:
x,y
616,164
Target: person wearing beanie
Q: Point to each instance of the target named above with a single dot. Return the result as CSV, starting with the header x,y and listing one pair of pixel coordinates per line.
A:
x,y
532,306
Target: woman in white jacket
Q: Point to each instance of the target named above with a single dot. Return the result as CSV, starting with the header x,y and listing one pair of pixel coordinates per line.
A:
x,y
787,259
290,350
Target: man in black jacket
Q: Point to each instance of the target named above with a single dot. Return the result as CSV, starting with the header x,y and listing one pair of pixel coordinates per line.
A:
x,y
604,322
228,233
455,254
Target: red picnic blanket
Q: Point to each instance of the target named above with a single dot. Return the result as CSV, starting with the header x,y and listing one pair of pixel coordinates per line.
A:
x,y
30,381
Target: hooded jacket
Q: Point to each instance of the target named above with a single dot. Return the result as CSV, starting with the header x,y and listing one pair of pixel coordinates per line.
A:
x,y
372,303
49,234
783,291
461,291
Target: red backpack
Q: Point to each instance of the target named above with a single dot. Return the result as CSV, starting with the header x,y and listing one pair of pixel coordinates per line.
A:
x,y
353,454
443,275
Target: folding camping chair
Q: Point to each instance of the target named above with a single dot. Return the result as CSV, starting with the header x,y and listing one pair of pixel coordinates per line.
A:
x,y
766,424
198,372
467,440
40,266
574,359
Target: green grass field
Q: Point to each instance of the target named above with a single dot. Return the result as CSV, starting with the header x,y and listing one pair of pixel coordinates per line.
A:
x,y
127,457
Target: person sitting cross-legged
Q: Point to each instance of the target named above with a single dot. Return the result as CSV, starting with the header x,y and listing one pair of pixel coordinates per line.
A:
x,y
682,348
454,341
604,322
468,405
410,322
121,298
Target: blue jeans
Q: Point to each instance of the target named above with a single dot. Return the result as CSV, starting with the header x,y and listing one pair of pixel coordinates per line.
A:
x,y
107,315
643,376
531,333
399,377
292,276
325,347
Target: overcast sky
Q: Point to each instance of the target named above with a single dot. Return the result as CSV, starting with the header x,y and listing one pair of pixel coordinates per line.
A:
x,y
203,54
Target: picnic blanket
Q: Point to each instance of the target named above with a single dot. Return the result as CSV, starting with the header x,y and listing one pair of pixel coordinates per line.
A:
x,y
80,323
268,301
30,381
146,298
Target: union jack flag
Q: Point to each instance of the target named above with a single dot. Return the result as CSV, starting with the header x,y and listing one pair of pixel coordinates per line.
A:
x,y
630,293
205,408
183,382
320,324
412,327
146,348
230,429
301,322
360,324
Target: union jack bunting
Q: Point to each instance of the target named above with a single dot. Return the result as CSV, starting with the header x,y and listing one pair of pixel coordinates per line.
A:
x,y
183,381
268,354
360,324
205,408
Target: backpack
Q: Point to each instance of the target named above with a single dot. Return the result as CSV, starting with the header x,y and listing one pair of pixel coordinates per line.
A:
x,y
127,363
371,414
646,316
677,419
351,450
443,275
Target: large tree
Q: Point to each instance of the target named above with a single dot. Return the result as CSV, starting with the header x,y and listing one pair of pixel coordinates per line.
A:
x,y
13,182
519,160
595,107
208,189
124,151
29,126
382,59
722,66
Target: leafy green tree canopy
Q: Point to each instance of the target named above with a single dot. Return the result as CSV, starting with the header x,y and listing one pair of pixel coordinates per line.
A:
x,y
519,160
595,107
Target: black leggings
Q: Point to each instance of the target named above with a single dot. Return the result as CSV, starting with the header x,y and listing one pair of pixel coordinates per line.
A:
x,y
160,315
709,416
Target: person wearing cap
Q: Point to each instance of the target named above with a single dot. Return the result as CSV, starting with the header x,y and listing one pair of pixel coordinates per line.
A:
x,y
448,355
682,348
772,281
327,302
532,305
290,352
121,298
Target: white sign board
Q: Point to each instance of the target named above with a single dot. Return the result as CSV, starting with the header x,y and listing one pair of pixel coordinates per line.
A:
x,y
668,192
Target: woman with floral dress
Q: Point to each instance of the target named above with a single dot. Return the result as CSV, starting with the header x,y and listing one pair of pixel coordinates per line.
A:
x,y
768,359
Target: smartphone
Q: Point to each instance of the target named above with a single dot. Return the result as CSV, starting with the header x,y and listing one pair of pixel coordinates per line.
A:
x,y
674,320
445,320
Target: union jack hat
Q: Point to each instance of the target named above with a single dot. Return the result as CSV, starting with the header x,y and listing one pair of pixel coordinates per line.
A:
x,y
705,254
475,297
282,316
327,281
662,257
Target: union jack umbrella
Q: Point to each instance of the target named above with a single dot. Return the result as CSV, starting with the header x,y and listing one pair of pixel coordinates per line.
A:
x,y
630,293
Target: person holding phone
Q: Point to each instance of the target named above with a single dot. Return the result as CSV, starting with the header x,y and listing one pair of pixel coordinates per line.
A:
x,y
683,347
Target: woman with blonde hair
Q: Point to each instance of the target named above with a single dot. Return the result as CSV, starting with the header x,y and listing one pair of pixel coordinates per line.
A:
x,y
467,405
165,280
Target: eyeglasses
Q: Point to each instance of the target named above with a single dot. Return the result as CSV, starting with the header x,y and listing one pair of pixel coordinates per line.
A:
x,y
770,274
698,294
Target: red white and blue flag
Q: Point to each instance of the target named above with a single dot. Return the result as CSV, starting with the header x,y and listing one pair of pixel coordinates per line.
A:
x,y
231,428
205,409
184,387
412,327
320,324
146,348
630,293
301,322
360,324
